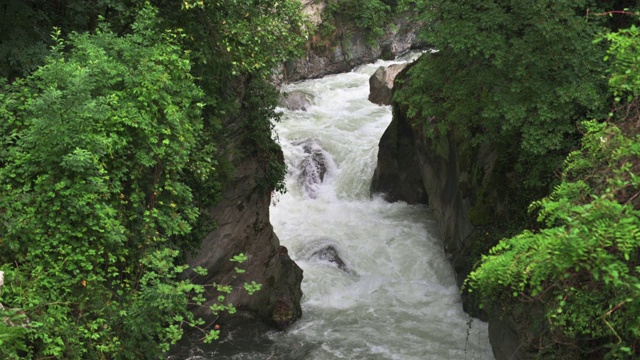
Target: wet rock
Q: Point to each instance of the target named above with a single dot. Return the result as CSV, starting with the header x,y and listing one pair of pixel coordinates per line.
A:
x,y
396,175
463,186
327,56
326,249
284,314
381,83
296,100
330,253
313,167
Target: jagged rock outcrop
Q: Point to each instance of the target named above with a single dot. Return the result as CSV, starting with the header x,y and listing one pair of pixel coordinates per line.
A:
x,y
350,49
242,219
381,83
327,250
396,175
458,181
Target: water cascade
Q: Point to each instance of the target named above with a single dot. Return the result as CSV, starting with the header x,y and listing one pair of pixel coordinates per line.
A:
x,y
377,283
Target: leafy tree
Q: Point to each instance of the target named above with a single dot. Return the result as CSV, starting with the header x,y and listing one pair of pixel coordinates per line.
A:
x,y
26,25
94,202
235,47
516,74
109,162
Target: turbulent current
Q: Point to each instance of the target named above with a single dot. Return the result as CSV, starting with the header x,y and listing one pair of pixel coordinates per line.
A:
x,y
377,283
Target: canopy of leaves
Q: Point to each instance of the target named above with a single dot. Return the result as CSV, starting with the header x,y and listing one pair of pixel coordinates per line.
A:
x,y
109,159
516,74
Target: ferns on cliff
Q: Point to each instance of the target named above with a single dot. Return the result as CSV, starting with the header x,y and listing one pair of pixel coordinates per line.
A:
x,y
583,266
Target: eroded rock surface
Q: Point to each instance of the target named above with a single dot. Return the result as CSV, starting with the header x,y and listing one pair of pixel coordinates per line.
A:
x,y
327,250
242,219
351,49
381,83
313,167
462,186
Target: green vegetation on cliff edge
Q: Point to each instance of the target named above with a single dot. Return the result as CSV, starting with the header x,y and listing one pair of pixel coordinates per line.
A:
x,y
522,77
583,266
109,162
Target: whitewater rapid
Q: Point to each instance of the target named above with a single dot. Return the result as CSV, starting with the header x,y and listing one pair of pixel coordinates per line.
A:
x,y
392,293
400,301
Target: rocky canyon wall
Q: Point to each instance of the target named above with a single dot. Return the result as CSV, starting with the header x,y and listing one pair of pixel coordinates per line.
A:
x,y
345,49
242,213
462,186
241,216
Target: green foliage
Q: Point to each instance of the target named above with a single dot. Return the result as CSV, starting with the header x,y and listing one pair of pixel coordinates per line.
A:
x,y
258,120
624,71
95,207
109,158
248,37
583,266
515,74
368,15
235,47
25,27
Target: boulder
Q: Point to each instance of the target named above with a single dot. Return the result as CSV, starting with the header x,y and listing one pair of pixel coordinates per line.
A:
x,y
296,100
330,253
326,250
381,83
313,167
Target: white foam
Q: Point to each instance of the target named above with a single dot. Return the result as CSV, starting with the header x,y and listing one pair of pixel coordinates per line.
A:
x,y
404,303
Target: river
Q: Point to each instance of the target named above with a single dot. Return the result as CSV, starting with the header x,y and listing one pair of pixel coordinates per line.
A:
x,y
392,293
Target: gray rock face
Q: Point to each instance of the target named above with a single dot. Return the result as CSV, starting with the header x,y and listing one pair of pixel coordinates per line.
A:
x,y
296,100
450,176
396,175
350,51
381,84
445,172
330,253
326,249
313,9
242,218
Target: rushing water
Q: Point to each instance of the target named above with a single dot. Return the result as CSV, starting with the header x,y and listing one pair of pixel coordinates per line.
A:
x,y
392,293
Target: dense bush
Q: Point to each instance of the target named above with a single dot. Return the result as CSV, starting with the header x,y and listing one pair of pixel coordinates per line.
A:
x,y
94,205
368,15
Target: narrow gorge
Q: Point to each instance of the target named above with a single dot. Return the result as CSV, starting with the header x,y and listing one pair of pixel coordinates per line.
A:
x,y
377,281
